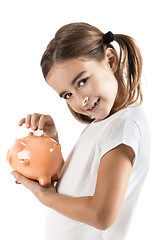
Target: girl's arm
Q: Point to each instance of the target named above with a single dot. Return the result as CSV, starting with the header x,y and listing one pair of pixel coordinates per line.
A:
x,y
102,209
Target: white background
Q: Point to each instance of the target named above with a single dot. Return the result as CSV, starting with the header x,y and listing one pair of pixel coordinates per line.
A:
x,y
26,27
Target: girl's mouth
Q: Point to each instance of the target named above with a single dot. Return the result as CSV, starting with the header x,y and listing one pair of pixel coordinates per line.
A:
x,y
95,106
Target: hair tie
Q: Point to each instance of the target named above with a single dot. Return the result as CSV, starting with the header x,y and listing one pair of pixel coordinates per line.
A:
x,y
108,37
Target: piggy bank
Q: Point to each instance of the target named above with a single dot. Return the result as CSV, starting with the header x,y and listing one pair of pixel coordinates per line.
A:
x,y
36,157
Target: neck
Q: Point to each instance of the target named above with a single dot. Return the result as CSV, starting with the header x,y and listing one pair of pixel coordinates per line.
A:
x,y
120,99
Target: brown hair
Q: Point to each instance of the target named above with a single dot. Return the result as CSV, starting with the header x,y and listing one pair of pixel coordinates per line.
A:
x,y
80,39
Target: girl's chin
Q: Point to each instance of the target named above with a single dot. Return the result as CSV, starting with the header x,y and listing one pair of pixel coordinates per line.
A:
x,y
101,117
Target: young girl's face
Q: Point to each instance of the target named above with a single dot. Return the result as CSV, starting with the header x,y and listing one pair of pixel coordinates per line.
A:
x,y
89,86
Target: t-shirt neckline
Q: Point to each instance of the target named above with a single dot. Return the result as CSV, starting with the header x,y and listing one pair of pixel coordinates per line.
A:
x,y
108,118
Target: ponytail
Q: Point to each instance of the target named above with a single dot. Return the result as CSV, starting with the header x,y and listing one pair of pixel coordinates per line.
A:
x,y
129,69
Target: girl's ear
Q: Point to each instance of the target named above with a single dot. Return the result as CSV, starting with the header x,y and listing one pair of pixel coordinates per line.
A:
x,y
112,59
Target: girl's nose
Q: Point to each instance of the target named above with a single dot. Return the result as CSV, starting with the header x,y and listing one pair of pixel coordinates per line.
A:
x,y
81,101
85,100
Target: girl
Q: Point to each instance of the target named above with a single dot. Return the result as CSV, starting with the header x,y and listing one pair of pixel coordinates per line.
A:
x,y
101,180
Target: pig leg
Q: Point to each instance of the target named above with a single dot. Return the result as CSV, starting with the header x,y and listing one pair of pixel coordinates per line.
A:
x,y
54,178
44,181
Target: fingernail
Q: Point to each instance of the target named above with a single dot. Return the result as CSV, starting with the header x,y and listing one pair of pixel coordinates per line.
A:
x,y
17,182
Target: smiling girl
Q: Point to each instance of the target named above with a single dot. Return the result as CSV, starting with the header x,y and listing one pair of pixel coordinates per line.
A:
x,y
101,180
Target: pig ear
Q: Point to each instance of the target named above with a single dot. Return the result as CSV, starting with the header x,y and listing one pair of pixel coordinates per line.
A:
x,y
58,146
20,143
23,142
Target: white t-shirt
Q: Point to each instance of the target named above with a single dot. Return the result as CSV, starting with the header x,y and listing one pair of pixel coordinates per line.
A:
x,y
79,175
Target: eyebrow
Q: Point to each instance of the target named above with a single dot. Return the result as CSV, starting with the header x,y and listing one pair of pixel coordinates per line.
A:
x,y
73,82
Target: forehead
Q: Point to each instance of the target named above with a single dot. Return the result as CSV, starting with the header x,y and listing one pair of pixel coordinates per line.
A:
x,y
68,68
62,74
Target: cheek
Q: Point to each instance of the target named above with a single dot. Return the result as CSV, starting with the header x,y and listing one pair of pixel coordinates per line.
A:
x,y
72,104
113,88
110,85
94,89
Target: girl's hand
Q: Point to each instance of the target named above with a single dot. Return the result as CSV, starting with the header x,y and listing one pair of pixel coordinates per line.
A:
x,y
40,192
43,122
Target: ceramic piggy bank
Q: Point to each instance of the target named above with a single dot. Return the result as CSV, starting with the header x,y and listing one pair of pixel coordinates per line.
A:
x,y
35,157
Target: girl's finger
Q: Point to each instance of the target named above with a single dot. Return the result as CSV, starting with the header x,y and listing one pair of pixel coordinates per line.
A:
x,y
21,122
34,121
41,121
28,121
31,185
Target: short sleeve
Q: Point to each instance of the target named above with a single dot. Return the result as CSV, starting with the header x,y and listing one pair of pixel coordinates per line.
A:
x,y
121,131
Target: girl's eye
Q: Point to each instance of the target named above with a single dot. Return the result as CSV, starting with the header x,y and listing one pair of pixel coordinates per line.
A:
x,y
82,82
67,95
